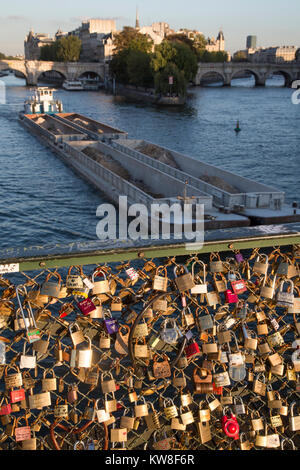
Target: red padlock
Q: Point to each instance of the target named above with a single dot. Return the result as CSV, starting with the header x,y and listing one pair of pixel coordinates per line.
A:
x,y
17,395
217,390
86,306
230,425
192,349
239,286
230,297
5,409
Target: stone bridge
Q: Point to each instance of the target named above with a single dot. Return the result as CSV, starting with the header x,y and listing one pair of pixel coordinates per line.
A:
x,y
32,69
229,70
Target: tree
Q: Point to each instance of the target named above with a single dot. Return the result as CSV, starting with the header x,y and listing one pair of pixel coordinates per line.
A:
x,y
163,54
205,56
118,66
130,38
199,42
2,56
68,49
180,38
162,81
48,52
139,69
186,60
240,56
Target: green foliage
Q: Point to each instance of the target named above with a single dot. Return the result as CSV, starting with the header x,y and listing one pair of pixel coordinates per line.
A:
x,y
139,69
7,57
186,60
118,66
180,38
66,49
205,56
48,52
164,53
130,38
162,80
240,56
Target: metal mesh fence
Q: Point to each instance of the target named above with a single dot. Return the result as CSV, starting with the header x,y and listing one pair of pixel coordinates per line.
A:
x,y
161,379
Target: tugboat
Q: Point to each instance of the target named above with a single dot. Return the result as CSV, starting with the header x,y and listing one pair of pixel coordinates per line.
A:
x,y
42,102
237,129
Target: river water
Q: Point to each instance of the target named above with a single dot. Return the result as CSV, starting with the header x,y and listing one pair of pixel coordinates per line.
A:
x,y
44,202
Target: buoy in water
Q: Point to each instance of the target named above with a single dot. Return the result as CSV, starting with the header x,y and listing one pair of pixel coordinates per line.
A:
x,y
237,129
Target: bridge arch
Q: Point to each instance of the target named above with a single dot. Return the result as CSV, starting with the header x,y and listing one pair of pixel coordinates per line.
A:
x,y
51,75
288,78
259,80
90,75
210,78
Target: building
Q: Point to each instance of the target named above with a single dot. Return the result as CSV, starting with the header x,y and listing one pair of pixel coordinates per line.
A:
x,y
216,45
273,55
96,37
251,42
33,44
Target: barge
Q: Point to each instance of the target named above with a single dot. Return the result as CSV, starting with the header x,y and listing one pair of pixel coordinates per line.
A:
x,y
148,173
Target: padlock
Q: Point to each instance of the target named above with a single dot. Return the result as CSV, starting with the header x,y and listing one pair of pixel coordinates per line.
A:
x,y
87,307
121,343
170,410
290,441
12,380
140,330
239,286
77,336
118,434
75,281
116,304
259,385
104,341
49,384
141,410
85,356
256,421
110,403
214,404
168,334
185,398
26,361
221,379
163,444
192,349
261,264
204,413
285,299
200,286
186,415
230,297
230,425
294,421
161,369
102,415
244,442
51,288
251,341
141,350
42,345
22,433
238,406
127,422
204,322
39,400
61,411
72,393
179,382
100,287
220,284
184,282
187,318
160,283
108,386
216,266
5,409
152,419
110,324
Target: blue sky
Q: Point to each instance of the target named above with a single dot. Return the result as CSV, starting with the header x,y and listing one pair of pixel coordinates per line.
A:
x,y
275,22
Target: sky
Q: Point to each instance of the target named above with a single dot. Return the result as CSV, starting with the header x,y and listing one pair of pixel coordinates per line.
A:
x,y
274,22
